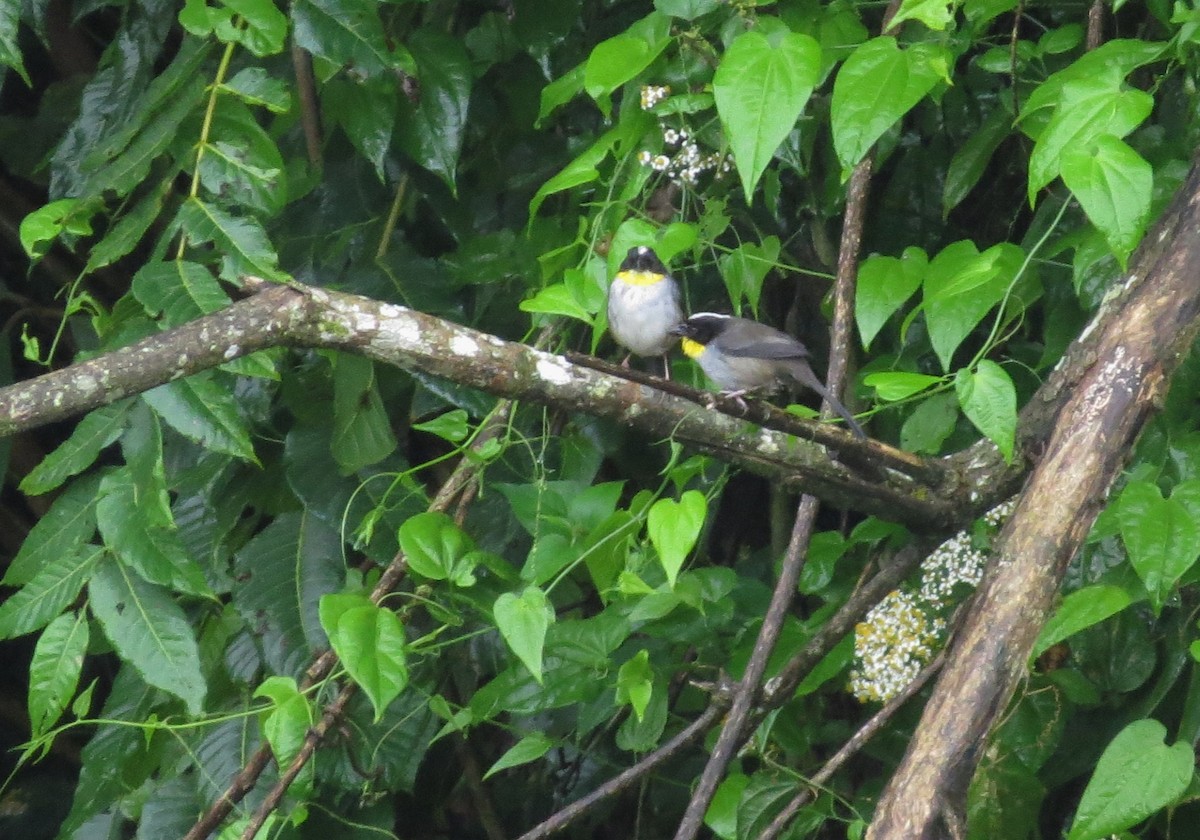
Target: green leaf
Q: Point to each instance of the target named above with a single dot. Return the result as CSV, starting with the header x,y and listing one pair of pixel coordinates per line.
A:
x,y
761,89
54,669
635,682
531,747
149,631
989,400
1114,185
348,33
127,232
40,228
746,267
370,642
1161,535
179,290
362,431
1080,610
972,157
1137,775
10,48
203,411
893,386
63,529
255,24
961,287
240,171
930,424
436,547
255,86
557,299
241,240
432,132
367,114
523,621
878,84
582,170
78,452
52,590
1107,65
674,528
687,9
559,92
287,722
143,448
452,426
884,284
154,552
936,14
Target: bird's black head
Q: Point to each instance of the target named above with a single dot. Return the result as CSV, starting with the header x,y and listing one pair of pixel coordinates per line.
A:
x,y
702,327
643,258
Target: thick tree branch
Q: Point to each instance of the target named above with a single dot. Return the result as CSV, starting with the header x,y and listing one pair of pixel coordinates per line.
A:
x,y
1136,350
310,317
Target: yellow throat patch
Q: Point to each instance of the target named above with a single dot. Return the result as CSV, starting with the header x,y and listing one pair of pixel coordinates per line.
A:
x,y
640,278
691,349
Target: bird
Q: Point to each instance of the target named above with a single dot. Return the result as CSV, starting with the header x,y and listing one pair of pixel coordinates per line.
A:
x,y
741,356
643,306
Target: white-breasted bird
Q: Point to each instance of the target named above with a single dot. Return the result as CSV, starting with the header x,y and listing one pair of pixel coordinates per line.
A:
x,y
643,306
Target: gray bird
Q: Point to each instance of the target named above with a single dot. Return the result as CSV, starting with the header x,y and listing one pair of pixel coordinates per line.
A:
x,y
741,355
643,306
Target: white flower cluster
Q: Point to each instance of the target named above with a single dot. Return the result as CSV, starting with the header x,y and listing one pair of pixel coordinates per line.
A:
x,y
653,94
892,645
902,632
686,163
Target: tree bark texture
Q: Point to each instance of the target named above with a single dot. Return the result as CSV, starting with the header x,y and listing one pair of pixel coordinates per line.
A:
x,y
1137,347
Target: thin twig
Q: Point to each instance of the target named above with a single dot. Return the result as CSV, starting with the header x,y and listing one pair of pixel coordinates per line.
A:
x,y
310,109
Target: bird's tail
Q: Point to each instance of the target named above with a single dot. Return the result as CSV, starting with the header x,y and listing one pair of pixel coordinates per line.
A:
x,y
803,373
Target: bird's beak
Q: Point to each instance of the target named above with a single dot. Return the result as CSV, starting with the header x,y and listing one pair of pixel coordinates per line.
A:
x,y
678,329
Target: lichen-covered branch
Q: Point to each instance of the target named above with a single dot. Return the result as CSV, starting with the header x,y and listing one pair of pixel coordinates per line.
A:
x,y
1136,349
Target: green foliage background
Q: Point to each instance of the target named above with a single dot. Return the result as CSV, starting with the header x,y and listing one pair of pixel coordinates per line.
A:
x,y
183,555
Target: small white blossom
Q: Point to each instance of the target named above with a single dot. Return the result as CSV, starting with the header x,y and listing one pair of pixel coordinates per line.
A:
x,y
653,94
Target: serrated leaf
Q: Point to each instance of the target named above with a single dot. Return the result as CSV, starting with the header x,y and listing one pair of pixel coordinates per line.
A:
x,y
149,631
201,410
48,593
761,89
1081,609
523,621
255,86
54,669
877,85
282,574
531,747
78,452
1114,185
255,24
1161,535
362,432
674,528
989,400
347,33
432,132
126,233
63,529
1137,775
241,240
154,552
367,114
370,642
236,169
179,290
884,284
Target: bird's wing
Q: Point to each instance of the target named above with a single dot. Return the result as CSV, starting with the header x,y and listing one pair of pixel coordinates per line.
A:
x,y
783,347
